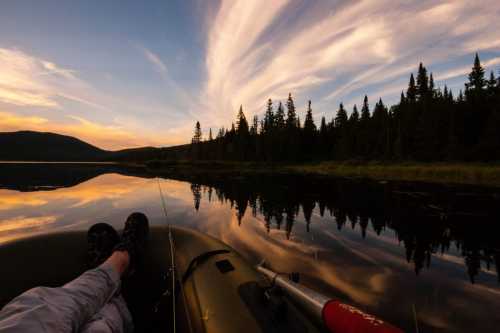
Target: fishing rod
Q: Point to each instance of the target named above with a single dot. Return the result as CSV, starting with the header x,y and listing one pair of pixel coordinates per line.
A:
x,y
172,263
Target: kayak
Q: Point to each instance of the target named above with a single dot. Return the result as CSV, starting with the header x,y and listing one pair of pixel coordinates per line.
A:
x,y
188,282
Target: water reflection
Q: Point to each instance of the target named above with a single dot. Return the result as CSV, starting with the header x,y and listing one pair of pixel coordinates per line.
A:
x,y
396,250
423,228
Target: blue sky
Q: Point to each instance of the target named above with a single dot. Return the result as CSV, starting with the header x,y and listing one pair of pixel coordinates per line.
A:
x,y
132,73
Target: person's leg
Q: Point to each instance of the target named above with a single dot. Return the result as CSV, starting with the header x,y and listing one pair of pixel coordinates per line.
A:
x,y
68,308
113,317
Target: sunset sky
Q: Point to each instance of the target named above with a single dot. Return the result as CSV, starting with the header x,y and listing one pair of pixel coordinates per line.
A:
x,y
132,73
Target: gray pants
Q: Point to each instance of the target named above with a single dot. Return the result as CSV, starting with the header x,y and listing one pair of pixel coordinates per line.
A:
x,y
90,303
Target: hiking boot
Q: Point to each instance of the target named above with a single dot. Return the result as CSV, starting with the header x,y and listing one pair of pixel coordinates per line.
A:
x,y
134,239
101,239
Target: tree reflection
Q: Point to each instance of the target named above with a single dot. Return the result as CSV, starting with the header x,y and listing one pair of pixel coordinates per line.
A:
x,y
424,223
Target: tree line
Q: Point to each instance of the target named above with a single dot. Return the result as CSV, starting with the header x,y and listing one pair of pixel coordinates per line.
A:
x,y
428,124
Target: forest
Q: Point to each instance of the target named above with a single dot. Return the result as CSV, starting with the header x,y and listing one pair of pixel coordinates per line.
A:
x,y
428,124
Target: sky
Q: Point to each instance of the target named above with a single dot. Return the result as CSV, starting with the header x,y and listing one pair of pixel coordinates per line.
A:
x,y
121,73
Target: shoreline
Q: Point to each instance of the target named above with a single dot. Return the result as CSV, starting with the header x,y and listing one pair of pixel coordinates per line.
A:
x,y
439,173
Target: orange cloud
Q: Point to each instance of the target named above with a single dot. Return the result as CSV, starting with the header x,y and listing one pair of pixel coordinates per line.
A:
x,y
103,136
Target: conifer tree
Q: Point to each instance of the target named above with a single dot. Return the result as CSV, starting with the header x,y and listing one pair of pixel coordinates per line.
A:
x,y
309,125
323,137
279,117
365,110
341,117
241,122
476,77
196,142
255,125
210,137
322,128
422,82
411,92
354,118
491,84
291,119
197,133
309,148
269,117
431,86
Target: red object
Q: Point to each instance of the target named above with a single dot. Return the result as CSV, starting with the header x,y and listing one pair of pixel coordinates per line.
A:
x,y
343,318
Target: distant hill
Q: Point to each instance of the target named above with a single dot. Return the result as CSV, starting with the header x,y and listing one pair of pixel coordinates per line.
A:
x,y
51,147
41,146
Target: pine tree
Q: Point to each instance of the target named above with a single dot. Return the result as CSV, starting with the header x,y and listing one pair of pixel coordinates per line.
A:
x,y
309,125
422,82
279,117
291,120
269,117
365,110
210,137
354,134
255,125
341,117
431,86
491,85
379,130
354,118
476,77
323,137
309,148
322,128
411,92
241,122
197,133
196,142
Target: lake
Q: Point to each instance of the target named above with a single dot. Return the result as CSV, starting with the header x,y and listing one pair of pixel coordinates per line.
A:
x,y
423,257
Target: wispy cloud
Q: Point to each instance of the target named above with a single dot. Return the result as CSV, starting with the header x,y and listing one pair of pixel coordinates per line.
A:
x,y
155,60
326,50
26,80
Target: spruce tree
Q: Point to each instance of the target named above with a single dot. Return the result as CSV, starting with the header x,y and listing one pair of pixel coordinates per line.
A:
x,y
291,119
279,118
354,118
309,125
309,148
341,117
197,133
269,117
491,85
322,128
365,110
476,77
411,92
353,135
422,82
255,125
196,142
210,137
241,122
432,92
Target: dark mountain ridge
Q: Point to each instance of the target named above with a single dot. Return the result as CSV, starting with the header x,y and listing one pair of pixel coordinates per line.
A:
x,y
45,146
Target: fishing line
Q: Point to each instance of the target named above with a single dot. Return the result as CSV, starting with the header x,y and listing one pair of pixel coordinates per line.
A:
x,y
163,202
171,241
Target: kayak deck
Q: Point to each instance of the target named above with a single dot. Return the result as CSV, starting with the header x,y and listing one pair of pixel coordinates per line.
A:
x,y
216,289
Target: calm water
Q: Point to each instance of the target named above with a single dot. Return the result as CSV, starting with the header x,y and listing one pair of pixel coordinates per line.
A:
x,y
416,255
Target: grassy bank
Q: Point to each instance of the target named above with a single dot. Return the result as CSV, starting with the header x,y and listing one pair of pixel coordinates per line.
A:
x,y
452,173
476,174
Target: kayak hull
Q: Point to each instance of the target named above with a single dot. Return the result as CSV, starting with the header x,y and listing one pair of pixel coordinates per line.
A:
x,y
216,289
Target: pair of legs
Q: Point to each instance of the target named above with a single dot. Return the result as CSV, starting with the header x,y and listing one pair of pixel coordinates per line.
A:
x,y
92,302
